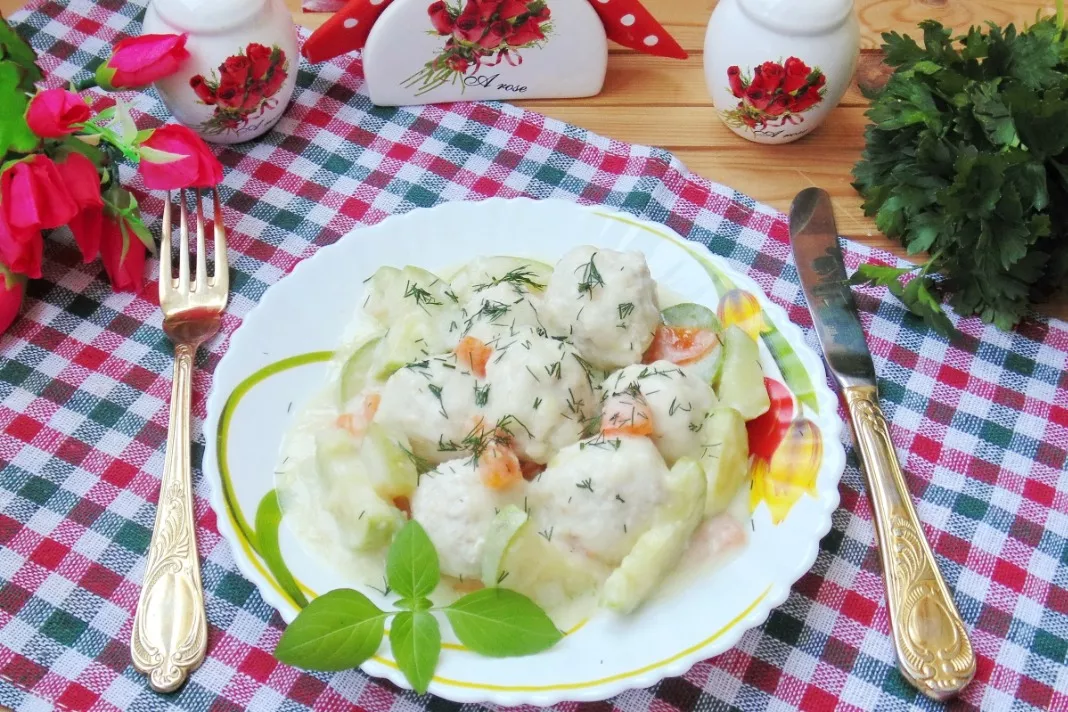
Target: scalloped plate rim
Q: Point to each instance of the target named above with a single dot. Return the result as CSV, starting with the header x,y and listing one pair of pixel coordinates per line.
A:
x,y
774,596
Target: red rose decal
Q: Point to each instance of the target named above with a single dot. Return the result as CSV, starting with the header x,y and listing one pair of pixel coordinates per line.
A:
x,y
440,18
243,88
774,96
769,76
481,33
734,77
259,57
204,92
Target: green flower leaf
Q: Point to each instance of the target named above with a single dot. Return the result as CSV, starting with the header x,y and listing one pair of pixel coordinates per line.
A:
x,y
412,567
337,631
18,51
500,623
415,639
154,155
15,134
268,521
124,124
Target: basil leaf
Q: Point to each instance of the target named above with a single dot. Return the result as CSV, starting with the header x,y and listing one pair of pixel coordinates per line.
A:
x,y
501,623
415,604
337,631
416,641
412,567
268,520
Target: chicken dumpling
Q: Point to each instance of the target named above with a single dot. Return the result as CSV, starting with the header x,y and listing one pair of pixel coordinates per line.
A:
x,y
598,496
677,403
456,510
605,302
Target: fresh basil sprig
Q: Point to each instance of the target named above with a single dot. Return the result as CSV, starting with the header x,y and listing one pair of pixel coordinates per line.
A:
x,y
343,628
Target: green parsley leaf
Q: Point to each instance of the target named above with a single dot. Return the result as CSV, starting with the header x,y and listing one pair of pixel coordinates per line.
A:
x,y
499,622
412,566
964,161
415,639
268,520
338,630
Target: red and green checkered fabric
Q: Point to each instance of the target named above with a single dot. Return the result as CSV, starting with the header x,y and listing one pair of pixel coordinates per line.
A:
x,y
981,424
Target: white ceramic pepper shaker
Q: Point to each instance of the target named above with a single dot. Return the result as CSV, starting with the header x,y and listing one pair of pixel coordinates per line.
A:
x,y
242,67
776,68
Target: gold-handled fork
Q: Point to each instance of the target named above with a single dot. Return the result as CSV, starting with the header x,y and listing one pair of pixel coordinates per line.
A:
x,y
170,634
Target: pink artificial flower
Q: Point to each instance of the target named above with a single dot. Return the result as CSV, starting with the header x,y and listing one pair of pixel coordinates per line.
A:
x,y
123,254
199,168
34,195
86,227
53,113
11,293
138,61
21,248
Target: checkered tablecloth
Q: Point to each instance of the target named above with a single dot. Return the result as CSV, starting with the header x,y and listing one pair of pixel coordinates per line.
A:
x,y
981,424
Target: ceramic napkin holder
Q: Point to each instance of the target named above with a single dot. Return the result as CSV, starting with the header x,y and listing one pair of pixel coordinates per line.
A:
x,y
426,51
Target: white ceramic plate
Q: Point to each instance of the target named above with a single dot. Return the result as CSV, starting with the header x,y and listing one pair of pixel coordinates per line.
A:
x,y
266,375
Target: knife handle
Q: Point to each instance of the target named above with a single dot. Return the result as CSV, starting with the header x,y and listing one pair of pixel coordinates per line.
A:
x,y
933,650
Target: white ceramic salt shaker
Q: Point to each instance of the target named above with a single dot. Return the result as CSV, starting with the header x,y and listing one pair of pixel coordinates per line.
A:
x,y
776,68
242,67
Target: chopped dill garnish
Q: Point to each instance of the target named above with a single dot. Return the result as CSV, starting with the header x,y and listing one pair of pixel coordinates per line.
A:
x,y
436,390
574,406
554,369
421,463
425,363
452,295
676,406
501,577
421,296
517,279
586,484
591,277
587,368
533,374
625,310
621,499
547,533
537,402
696,427
482,395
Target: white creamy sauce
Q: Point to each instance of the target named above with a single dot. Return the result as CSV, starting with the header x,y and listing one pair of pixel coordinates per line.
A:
x,y
601,501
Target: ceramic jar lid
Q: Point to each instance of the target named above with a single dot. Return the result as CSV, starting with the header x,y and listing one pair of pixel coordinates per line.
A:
x,y
798,17
207,16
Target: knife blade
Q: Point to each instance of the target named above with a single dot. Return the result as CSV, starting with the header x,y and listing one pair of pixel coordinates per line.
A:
x,y
933,650
821,269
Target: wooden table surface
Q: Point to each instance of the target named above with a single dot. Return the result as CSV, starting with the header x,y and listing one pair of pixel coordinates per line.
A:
x,y
673,91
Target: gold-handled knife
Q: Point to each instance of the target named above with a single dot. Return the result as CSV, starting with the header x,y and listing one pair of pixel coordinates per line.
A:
x,y
933,649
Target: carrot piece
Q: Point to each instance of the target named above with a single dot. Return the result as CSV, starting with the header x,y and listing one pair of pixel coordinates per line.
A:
x,y
356,423
498,467
626,414
680,344
475,354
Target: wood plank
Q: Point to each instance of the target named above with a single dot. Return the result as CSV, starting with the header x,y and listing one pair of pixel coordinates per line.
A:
x,y
640,80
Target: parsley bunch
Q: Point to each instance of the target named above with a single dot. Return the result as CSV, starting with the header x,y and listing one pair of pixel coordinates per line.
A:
x,y
967,160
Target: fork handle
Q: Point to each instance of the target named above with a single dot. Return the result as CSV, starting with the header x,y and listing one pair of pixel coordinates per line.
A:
x,y
170,635
933,650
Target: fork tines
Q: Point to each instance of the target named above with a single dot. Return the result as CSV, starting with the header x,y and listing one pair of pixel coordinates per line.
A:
x,y
219,280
